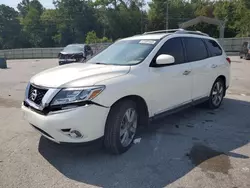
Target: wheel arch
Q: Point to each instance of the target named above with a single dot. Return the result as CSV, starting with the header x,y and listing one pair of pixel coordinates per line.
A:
x,y
223,78
141,106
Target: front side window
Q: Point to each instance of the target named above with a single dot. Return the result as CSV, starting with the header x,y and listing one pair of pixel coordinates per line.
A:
x,y
125,52
195,49
174,48
213,47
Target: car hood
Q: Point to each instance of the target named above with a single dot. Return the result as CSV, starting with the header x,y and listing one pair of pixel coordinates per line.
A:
x,y
77,75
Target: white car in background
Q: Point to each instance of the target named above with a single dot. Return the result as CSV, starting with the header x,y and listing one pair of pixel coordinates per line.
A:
x,y
134,80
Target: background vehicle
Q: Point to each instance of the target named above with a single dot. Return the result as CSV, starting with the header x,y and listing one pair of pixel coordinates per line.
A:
x,y
135,79
245,50
75,53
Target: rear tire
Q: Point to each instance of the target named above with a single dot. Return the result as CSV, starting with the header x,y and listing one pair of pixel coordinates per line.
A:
x,y
121,126
217,94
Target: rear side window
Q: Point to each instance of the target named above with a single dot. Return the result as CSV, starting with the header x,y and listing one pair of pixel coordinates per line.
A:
x,y
195,49
213,47
173,47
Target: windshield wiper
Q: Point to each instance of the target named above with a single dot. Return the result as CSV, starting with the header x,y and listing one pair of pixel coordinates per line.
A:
x,y
100,63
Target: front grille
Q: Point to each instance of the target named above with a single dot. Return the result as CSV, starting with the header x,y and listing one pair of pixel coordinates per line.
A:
x,y
71,56
36,94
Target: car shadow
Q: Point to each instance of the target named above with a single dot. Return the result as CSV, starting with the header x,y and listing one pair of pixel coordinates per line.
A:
x,y
168,150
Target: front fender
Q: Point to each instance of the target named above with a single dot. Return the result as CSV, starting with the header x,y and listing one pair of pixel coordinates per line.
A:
x,y
123,86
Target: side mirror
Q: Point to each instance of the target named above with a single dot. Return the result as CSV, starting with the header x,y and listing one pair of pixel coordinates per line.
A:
x,y
165,59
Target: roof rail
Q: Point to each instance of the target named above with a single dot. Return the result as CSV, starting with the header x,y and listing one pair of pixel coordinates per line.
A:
x,y
177,31
163,31
191,32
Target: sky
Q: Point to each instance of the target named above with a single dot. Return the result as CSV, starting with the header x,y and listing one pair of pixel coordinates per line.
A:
x,y
13,3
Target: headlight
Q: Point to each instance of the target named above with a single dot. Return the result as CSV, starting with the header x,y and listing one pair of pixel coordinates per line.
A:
x,y
74,95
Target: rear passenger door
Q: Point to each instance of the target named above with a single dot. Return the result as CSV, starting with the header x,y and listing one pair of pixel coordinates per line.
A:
x,y
203,73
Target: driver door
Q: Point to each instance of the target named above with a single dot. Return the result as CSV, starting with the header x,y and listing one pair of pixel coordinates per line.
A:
x,y
171,85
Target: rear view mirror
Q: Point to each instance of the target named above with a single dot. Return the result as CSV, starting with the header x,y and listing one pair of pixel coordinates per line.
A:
x,y
165,59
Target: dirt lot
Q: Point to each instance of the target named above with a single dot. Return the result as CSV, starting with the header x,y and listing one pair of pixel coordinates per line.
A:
x,y
195,148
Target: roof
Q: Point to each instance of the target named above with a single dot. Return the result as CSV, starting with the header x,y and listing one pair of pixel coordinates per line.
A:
x,y
157,36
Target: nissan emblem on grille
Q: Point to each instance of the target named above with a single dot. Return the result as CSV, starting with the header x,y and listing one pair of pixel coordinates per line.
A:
x,y
33,95
36,94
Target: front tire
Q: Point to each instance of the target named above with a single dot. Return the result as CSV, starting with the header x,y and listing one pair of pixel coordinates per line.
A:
x,y
121,127
217,94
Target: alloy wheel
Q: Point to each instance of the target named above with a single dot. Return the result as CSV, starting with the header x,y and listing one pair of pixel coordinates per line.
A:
x,y
128,127
217,94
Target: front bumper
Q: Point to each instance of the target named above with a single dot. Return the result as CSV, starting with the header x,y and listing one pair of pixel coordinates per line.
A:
x,y
89,120
68,61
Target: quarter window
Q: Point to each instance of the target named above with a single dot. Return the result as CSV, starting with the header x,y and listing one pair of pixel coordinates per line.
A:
x,y
195,49
213,47
174,48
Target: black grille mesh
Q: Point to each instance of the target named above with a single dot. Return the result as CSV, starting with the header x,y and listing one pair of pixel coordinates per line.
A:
x,y
39,94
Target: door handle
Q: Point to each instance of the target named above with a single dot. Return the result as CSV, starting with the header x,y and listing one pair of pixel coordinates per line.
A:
x,y
214,66
186,72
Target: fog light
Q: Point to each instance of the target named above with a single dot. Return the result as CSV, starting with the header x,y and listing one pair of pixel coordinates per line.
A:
x,y
75,134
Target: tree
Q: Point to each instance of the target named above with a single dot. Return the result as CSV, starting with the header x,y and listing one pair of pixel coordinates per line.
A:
x,y
92,38
32,29
25,5
72,21
76,20
49,21
178,11
9,28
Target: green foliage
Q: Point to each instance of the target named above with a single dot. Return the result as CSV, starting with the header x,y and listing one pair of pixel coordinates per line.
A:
x,y
234,12
10,28
92,38
92,21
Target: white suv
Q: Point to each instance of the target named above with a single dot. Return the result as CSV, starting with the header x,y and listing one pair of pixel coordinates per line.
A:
x,y
134,80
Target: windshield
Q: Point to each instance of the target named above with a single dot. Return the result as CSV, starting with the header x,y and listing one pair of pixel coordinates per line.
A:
x,y
127,52
73,48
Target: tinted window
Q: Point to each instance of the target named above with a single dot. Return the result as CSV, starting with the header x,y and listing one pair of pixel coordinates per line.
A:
x,y
213,47
173,47
195,48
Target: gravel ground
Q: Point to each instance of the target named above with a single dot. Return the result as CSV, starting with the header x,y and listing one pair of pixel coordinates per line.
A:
x,y
195,148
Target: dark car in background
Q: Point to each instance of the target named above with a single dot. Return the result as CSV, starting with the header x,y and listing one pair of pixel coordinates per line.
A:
x,y
245,50
75,53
